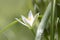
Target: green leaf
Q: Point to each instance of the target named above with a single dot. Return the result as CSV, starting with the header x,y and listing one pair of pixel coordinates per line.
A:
x,y
52,19
43,22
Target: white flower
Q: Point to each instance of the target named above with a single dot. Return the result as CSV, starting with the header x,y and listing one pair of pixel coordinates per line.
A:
x,y
28,20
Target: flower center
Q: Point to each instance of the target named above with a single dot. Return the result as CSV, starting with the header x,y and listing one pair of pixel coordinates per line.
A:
x,y
30,19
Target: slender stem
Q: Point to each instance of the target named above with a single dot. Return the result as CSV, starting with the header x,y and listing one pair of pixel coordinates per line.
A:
x,y
33,32
7,27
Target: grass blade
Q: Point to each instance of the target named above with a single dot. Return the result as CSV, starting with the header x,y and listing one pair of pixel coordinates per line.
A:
x,y
52,20
43,22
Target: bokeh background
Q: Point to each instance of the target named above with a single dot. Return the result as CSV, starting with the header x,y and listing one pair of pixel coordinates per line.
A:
x,y
11,9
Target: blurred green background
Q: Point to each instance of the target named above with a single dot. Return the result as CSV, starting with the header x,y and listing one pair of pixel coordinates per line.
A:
x,y
10,9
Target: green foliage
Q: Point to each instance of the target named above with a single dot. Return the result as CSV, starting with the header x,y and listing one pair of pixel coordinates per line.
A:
x,y
46,26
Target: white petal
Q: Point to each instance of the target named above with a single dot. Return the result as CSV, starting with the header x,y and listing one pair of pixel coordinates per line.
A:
x,y
30,15
21,22
29,22
26,21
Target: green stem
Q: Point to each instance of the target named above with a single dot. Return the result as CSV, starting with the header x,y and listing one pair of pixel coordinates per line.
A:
x,y
7,27
33,32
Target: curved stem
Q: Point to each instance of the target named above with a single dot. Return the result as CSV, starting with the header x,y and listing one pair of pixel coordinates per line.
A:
x,y
33,32
7,27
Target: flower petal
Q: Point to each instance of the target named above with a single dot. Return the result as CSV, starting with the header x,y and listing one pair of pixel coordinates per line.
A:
x,y
30,15
24,19
21,22
27,21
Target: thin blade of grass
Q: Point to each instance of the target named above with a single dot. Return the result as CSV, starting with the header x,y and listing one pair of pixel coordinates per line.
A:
x,y
43,22
52,20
